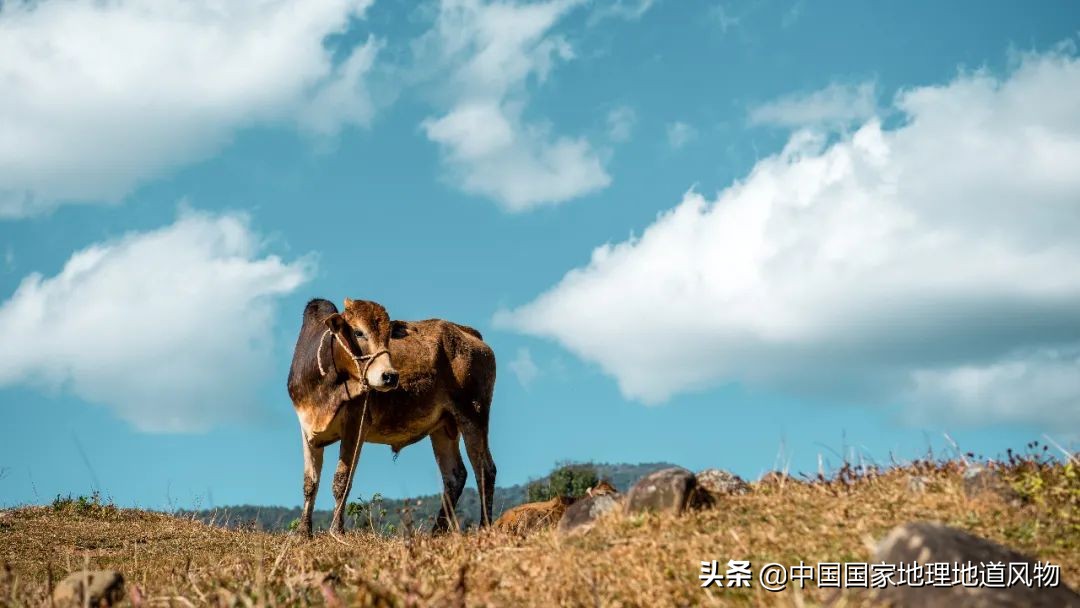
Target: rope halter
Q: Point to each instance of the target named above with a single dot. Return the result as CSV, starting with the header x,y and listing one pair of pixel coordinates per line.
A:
x,y
362,362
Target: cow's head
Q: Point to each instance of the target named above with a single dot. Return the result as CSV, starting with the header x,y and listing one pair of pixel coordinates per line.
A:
x,y
602,488
362,347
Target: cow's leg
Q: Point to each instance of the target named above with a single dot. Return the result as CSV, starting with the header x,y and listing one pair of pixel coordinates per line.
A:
x,y
348,456
474,428
444,441
313,459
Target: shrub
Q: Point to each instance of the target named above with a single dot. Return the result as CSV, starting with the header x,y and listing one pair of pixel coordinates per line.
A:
x,y
82,505
367,513
571,480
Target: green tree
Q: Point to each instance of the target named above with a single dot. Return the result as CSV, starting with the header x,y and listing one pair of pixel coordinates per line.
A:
x,y
567,480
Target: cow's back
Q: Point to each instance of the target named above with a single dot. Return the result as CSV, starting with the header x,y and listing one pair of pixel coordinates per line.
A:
x,y
533,516
437,352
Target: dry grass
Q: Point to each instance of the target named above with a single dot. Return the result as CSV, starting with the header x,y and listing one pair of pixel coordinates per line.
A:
x,y
627,561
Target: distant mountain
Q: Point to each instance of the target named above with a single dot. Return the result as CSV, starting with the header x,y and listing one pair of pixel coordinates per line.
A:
x,y
389,513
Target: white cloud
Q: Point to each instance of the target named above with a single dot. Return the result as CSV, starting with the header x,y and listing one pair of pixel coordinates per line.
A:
x,y
679,134
836,105
343,97
524,367
1001,389
171,329
934,265
620,123
102,96
490,54
631,10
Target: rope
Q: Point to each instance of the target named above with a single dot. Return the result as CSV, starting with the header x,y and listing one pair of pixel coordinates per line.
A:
x,y
355,457
318,353
362,363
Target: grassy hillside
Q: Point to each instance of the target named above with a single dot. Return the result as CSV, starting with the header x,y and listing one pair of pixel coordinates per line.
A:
x,y
386,514
629,560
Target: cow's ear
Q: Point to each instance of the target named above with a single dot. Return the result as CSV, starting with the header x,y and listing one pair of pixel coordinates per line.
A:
x,y
349,303
335,322
398,329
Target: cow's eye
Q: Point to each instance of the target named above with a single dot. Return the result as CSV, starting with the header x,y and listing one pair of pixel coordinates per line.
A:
x,y
359,334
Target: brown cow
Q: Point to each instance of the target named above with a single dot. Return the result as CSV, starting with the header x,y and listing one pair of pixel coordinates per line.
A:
x,y
533,515
602,488
429,378
544,514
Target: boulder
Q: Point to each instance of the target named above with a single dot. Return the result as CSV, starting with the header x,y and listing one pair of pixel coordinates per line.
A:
x,y
926,542
581,516
102,587
665,491
718,483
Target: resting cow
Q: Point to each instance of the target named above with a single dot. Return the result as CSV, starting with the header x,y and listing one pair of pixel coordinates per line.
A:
x,y
534,516
359,377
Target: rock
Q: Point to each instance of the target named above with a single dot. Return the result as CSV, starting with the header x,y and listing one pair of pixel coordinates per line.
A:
x,y
926,542
667,490
533,516
581,516
980,480
105,588
718,482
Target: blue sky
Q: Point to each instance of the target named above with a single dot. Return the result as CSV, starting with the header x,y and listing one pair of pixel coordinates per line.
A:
x,y
726,234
